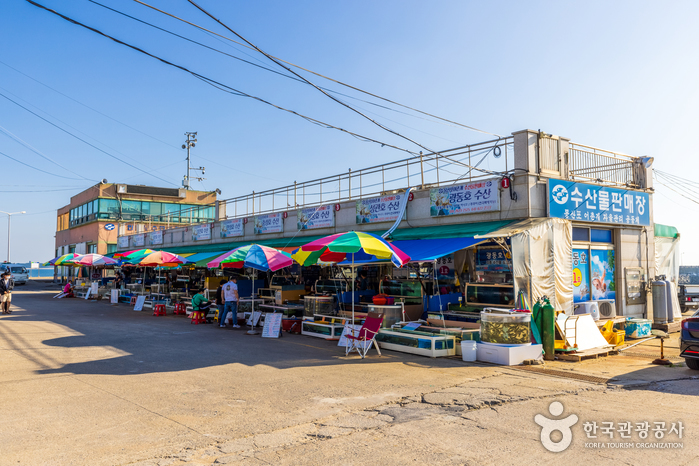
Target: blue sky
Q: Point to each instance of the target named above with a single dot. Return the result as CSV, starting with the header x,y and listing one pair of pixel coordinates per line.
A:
x,y
616,75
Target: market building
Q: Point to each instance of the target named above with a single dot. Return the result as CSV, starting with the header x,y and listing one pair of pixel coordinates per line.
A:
x,y
541,215
96,217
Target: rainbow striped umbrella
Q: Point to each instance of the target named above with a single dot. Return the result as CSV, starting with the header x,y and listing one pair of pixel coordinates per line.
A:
x,y
94,260
161,258
344,246
254,256
134,254
64,259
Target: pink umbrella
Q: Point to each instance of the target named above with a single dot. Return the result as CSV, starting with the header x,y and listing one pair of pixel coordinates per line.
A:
x,y
94,260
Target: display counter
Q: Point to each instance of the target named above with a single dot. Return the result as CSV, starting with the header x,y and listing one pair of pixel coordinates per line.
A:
x,y
416,342
490,294
455,319
458,333
323,326
391,313
324,305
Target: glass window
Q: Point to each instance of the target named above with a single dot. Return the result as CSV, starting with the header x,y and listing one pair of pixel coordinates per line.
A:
x,y
581,234
92,249
109,206
89,208
206,212
131,207
170,213
600,236
155,208
188,211
145,208
111,248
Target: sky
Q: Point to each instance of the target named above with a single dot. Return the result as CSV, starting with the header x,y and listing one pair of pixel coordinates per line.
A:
x,y
614,75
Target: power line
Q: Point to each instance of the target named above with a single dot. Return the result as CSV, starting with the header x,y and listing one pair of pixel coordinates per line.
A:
x,y
84,141
318,74
38,169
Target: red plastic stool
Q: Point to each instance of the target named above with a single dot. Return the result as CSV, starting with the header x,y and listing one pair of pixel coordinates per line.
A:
x,y
133,300
159,310
180,308
198,317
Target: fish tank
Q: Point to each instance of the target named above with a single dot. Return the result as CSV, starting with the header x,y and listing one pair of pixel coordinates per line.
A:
x,y
324,305
498,295
410,290
506,328
331,286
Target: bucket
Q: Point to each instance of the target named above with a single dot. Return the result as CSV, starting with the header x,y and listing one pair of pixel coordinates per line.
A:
x,y
468,350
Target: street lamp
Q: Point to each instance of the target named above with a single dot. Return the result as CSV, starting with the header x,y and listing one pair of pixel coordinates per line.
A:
x,y
9,223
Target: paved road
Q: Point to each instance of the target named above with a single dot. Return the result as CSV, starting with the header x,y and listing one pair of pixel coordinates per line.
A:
x,y
88,383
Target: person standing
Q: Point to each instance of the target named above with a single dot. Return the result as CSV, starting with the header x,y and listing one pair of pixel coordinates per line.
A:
x,y
7,284
230,297
219,301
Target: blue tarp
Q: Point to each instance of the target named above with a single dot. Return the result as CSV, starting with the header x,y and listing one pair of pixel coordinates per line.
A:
x,y
422,250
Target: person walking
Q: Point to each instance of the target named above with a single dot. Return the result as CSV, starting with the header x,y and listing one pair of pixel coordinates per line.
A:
x,y
7,284
230,298
219,301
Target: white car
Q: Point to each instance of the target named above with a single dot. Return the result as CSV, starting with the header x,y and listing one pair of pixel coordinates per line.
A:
x,y
20,274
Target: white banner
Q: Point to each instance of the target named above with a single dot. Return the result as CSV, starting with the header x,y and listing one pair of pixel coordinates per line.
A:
x,y
123,242
379,209
315,217
201,232
231,228
156,237
138,240
270,223
471,198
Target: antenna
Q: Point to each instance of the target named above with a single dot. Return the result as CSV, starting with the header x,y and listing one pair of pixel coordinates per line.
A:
x,y
189,143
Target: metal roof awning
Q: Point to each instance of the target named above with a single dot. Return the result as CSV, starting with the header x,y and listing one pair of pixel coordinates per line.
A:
x,y
513,228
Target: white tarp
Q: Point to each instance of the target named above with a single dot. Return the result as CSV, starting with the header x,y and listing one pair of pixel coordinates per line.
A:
x,y
667,262
581,331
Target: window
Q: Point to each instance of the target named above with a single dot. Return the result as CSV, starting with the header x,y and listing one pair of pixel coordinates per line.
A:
x,y
600,236
155,208
111,248
171,213
593,274
131,210
581,234
89,208
92,249
109,208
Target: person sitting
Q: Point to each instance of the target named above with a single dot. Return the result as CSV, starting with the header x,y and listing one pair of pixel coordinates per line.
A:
x,y
68,290
200,303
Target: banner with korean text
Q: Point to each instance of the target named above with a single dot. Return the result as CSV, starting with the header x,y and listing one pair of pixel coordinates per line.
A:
x,y
156,237
379,209
138,240
201,232
270,223
598,204
470,198
231,228
315,217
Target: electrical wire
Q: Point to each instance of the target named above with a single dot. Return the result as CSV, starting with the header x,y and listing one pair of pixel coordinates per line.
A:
x,y
85,142
318,74
39,169
222,86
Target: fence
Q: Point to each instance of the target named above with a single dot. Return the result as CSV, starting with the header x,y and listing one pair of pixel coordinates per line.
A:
x,y
602,166
435,169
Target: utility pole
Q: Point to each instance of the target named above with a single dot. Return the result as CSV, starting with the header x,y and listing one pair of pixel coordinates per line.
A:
x,y
189,143
9,220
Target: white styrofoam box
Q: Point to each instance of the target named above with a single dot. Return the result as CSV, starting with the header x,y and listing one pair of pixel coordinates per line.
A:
x,y
508,355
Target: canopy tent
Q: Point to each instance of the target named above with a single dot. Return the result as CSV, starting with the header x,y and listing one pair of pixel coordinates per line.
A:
x,y
422,250
542,252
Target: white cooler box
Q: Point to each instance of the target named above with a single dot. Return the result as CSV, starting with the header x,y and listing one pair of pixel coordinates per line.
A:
x,y
508,355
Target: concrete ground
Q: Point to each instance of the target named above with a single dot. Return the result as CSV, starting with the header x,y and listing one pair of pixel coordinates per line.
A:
x,y
89,383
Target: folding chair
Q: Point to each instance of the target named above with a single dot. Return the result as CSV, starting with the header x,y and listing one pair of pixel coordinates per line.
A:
x,y
362,341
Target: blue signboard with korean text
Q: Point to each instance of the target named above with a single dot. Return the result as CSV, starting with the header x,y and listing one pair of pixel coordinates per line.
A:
x,y
598,204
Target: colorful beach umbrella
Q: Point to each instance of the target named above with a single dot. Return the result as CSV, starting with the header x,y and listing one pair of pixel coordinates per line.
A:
x,y
134,254
63,260
161,258
254,256
349,246
94,260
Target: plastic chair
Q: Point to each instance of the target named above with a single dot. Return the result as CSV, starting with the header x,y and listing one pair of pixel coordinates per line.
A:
x,y
363,340
159,310
180,308
198,317
132,301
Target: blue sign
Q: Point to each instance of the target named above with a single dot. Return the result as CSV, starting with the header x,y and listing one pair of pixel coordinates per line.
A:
x,y
598,204
109,227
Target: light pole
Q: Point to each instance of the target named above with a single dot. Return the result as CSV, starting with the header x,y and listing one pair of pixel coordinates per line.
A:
x,y
9,224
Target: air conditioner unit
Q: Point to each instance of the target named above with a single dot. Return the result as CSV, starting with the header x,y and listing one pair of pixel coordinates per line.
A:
x,y
587,307
607,308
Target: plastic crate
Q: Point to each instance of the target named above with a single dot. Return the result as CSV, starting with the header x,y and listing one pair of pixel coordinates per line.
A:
x,y
618,338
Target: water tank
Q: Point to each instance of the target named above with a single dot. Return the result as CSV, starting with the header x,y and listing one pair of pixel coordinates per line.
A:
x,y
662,302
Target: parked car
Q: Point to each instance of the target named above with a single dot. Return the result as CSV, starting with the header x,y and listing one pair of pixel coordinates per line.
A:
x,y
20,274
688,292
689,341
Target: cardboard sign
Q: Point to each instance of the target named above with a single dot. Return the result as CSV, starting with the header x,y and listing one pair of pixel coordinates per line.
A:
x,y
273,325
254,318
114,299
139,303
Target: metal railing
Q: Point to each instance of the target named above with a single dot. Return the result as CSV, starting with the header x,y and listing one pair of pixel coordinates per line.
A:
x,y
603,166
429,170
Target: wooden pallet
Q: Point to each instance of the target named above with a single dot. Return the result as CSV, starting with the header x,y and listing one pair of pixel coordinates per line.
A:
x,y
672,327
587,354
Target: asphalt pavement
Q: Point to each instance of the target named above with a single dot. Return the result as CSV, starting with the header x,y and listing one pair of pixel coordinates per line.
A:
x,y
89,383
